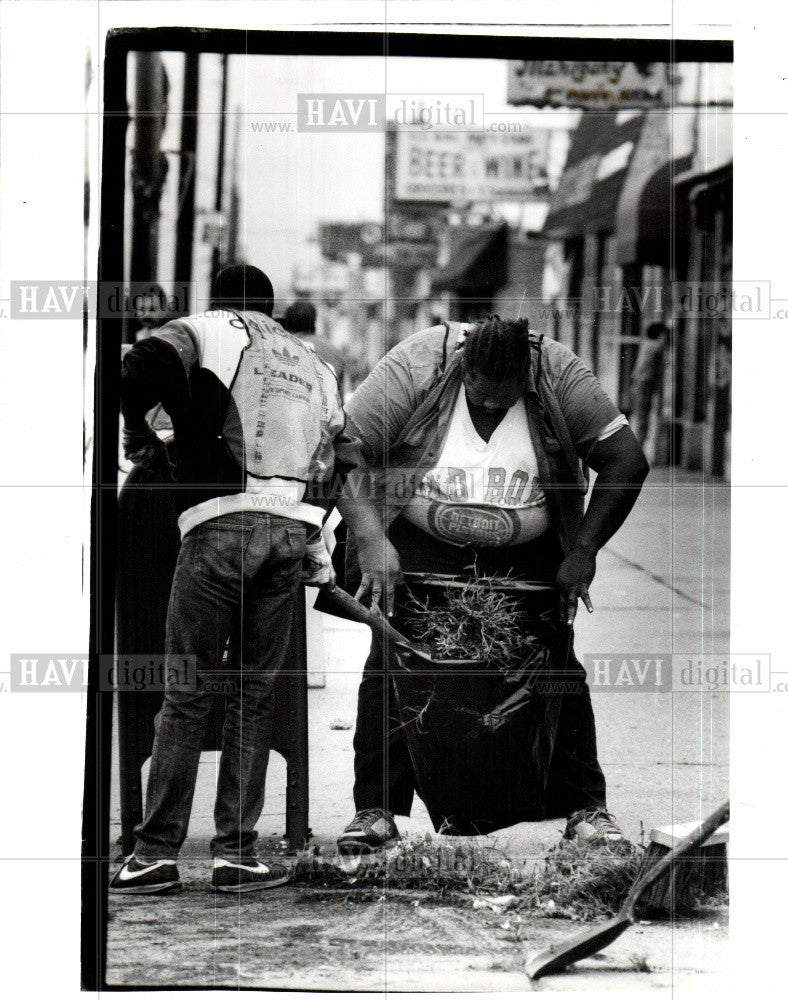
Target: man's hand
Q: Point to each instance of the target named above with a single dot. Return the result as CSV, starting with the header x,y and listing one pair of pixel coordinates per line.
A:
x,y
317,569
144,447
377,557
380,572
574,577
621,468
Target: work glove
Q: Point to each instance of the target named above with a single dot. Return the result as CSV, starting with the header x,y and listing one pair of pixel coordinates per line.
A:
x,y
317,569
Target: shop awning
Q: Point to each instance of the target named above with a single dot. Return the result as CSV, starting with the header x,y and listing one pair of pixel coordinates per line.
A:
x,y
648,220
596,168
619,178
691,178
477,261
648,225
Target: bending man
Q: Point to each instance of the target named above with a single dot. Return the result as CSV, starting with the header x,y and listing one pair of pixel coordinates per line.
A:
x,y
479,435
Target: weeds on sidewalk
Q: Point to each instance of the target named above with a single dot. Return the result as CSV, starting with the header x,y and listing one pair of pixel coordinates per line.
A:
x,y
583,881
575,882
436,866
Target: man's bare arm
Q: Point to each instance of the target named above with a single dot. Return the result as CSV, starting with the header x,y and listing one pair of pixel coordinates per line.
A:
x,y
377,557
621,468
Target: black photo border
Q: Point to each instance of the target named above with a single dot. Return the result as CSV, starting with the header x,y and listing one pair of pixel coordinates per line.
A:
x,y
115,120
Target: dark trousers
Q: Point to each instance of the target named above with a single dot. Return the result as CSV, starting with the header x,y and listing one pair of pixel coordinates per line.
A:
x,y
384,774
236,579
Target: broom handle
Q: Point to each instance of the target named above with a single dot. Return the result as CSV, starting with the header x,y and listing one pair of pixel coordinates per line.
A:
x,y
379,625
694,839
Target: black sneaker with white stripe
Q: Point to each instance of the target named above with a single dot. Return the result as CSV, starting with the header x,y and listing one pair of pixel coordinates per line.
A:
x,y
145,877
231,876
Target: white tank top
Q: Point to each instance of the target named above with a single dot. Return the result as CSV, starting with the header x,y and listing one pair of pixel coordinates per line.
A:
x,y
482,492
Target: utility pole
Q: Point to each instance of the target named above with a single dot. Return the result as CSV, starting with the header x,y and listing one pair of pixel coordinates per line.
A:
x,y
217,253
149,164
233,215
184,231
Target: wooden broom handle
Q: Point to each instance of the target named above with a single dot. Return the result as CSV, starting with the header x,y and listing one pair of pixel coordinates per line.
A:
x,y
376,621
387,633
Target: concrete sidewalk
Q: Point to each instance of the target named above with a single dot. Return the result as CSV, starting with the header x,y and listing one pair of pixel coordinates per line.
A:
x,y
662,587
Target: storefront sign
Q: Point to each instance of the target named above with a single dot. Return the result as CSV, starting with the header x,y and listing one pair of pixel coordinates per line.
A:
x,y
214,228
340,239
459,167
402,253
593,85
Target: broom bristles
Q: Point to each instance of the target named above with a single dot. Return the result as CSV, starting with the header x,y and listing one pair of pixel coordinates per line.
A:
x,y
687,883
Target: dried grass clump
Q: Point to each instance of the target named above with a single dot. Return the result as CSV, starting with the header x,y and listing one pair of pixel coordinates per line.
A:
x,y
436,866
585,880
478,622
577,881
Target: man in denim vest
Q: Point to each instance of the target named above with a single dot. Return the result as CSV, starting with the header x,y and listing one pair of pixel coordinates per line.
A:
x,y
479,436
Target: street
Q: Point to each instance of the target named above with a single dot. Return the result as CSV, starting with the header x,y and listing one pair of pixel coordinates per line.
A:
x,y
662,587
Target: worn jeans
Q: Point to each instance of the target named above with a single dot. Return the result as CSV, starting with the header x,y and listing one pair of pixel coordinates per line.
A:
x,y
236,579
384,775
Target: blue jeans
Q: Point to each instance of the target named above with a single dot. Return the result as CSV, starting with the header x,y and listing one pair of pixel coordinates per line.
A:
x,y
236,579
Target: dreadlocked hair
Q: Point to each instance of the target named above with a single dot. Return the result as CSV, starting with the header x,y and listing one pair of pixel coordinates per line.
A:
x,y
498,349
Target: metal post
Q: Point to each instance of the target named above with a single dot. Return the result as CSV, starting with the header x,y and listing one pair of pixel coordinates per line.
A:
x,y
216,257
149,164
98,743
233,215
184,233
297,798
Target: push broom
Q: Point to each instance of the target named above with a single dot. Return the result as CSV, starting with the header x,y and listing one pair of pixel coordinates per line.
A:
x,y
689,879
579,946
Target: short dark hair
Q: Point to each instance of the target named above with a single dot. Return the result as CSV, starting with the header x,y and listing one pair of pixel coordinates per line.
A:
x,y
655,330
243,287
300,317
498,349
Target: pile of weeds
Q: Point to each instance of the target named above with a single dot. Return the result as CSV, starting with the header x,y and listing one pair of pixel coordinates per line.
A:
x,y
583,881
478,621
575,881
442,865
